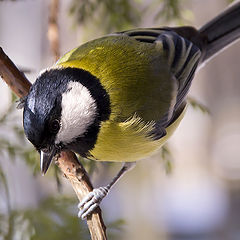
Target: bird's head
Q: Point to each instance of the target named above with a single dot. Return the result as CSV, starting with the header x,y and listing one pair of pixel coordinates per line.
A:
x,y
63,110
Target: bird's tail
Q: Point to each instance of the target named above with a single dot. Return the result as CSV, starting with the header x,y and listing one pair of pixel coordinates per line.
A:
x,y
221,31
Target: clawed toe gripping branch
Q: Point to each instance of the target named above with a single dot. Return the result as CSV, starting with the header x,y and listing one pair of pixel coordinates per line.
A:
x,y
67,162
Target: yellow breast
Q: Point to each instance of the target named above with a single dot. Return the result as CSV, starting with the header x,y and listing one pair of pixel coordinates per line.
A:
x,y
128,141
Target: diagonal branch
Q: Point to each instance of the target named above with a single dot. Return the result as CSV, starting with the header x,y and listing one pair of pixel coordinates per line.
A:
x,y
68,161
12,76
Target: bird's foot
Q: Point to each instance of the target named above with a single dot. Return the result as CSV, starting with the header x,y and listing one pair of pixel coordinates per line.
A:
x,y
91,201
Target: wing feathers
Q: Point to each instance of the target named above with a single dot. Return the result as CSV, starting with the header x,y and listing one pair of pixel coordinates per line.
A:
x,y
182,57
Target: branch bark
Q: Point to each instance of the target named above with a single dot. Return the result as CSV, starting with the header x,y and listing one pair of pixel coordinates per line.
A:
x,y
12,76
68,161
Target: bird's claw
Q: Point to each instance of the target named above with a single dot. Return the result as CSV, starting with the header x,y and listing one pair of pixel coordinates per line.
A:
x,y
91,201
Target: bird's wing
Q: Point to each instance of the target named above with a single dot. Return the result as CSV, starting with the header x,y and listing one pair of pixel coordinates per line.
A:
x,y
182,55
145,71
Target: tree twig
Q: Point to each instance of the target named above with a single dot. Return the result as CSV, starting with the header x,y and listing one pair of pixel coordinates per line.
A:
x,y
81,184
68,161
12,76
53,30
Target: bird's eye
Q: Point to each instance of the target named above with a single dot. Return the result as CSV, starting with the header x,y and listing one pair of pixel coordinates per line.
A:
x,y
54,126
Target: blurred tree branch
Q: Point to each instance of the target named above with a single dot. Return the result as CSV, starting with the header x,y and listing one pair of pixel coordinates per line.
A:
x,y
53,29
122,14
68,162
115,14
197,105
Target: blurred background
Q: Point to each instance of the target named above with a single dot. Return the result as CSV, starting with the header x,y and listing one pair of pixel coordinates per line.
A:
x,y
189,190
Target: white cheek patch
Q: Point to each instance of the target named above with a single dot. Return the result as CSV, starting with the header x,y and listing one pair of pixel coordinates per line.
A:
x,y
79,111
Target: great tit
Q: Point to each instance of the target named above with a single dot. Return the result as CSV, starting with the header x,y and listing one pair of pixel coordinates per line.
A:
x,y
121,96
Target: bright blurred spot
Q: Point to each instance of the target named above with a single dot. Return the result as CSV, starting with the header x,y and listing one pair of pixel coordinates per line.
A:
x,y
194,207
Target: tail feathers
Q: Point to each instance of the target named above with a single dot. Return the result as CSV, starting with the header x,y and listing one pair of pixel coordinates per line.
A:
x,y
220,31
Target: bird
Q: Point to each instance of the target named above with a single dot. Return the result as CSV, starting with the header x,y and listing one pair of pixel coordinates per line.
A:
x,y
120,97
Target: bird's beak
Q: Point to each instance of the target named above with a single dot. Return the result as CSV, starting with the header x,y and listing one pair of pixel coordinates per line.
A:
x,y
46,159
